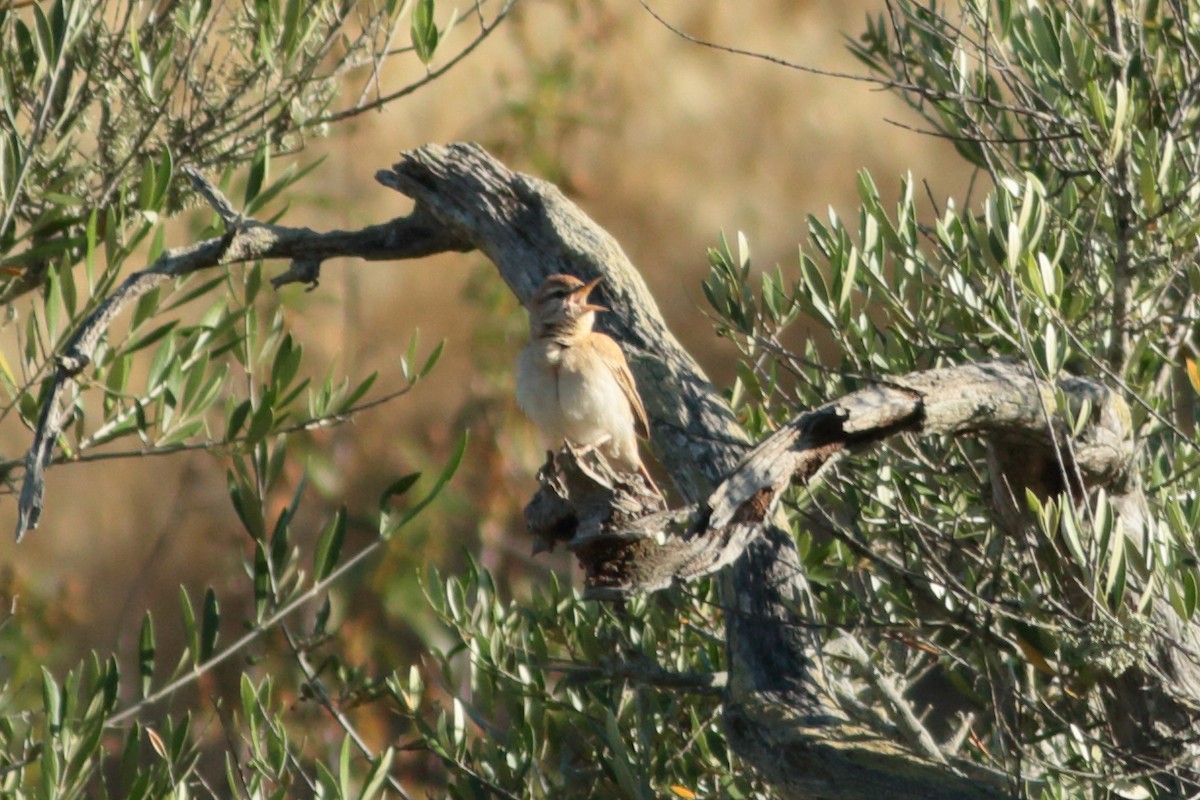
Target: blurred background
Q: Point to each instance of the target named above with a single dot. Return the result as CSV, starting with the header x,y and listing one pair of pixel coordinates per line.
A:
x,y
665,143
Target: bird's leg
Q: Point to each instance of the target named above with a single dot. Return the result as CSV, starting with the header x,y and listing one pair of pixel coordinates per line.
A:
x,y
645,473
594,447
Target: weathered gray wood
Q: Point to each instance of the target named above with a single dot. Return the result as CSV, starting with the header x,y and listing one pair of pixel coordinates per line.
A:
x,y
1000,401
530,231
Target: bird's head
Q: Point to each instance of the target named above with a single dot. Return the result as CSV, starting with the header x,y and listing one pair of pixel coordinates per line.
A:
x,y
560,306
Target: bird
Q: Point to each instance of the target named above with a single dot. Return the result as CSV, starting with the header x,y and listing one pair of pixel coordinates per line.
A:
x,y
574,382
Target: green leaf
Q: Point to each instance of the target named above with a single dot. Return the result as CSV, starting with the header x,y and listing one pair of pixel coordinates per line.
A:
x,y
253,282
203,289
51,766
377,776
208,394
424,31
410,356
321,620
190,633
288,37
91,237
210,625
245,503
398,487
275,462
279,537
237,417
25,46
6,372
260,424
250,707
52,702
53,302
46,39
1114,582
344,776
146,650
147,185
262,581
329,546
290,176
328,783
621,762
259,168
432,360
163,356
1190,593
358,392
163,175
1070,533
70,295
846,278
286,363
443,479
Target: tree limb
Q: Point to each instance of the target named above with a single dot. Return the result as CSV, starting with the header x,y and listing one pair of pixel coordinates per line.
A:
x,y
633,553
414,236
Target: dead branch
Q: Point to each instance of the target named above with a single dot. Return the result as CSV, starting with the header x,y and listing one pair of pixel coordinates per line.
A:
x,y
413,236
627,553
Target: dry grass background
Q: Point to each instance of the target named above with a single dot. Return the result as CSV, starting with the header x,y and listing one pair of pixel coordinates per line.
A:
x,y
663,142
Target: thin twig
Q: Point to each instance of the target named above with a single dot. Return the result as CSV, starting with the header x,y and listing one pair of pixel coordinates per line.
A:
x,y
322,696
431,76
883,83
200,670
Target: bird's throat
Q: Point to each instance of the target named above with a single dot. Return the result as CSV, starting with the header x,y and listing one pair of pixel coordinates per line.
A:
x,y
564,334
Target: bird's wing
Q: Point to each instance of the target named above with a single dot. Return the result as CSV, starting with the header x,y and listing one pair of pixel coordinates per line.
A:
x,y
611,351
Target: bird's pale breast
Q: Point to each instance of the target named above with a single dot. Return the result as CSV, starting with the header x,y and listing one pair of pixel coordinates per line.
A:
x,y
569,392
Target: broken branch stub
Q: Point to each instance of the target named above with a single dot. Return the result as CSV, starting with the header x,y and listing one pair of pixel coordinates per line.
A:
x,y
601,515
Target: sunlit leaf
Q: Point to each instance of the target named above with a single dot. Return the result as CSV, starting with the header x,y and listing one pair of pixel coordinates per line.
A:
x,y
424,30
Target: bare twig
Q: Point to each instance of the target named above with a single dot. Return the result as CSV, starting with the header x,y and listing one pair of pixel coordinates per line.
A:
x,y
486,30
286,610
916,89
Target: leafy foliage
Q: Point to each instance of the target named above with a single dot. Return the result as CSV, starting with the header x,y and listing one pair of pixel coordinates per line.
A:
x,y
100,108
101,105
1081,257
566,697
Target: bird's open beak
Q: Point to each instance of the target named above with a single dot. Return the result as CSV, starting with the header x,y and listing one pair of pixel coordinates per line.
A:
x,y
580,295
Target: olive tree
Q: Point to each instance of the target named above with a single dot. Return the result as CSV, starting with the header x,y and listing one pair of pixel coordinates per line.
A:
x,y
946,548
